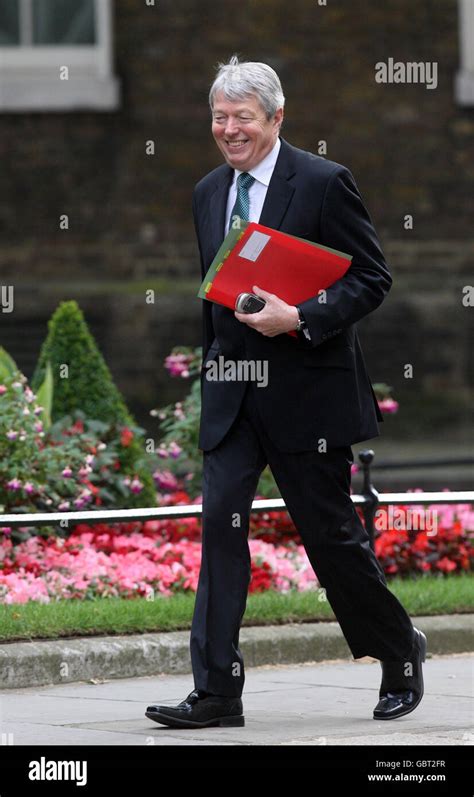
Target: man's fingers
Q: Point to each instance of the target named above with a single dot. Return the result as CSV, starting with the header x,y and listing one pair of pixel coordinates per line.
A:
x,y
261,292
245,318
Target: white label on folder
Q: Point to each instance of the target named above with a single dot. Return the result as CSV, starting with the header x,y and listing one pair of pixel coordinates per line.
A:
x,y
254,246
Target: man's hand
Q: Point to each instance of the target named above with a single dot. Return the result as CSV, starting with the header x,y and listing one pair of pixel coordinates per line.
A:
x,y
276,317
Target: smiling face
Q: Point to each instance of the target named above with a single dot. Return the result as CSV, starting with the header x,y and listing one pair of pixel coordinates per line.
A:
x,y
242,131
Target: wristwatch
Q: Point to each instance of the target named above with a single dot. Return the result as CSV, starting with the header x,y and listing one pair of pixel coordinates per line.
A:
x,y
301,321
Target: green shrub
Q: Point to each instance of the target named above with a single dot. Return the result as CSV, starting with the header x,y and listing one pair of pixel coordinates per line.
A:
x,y
82,381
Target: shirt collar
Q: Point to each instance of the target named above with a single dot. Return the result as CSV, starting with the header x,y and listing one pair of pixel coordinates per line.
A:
x,y
263,170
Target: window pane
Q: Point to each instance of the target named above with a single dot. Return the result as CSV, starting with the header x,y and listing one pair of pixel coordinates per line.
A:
x,y
9,22
63,22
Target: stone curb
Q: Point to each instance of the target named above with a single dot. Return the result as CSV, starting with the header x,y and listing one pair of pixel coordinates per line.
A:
x,y
26,664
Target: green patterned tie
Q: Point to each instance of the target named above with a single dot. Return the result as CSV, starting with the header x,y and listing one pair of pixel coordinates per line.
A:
x,y
242,203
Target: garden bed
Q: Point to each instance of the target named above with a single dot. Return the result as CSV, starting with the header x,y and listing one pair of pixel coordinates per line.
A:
x,y
423,595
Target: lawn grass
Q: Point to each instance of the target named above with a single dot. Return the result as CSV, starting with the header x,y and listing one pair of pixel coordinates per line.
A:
x,y
424,595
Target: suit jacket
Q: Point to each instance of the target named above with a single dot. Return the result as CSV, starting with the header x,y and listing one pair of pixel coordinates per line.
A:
x,y
317,389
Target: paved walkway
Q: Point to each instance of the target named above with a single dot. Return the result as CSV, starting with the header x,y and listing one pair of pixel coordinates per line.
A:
x,y
324,703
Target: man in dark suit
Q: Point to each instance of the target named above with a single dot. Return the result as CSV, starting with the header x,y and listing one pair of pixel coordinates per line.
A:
x,y
317,402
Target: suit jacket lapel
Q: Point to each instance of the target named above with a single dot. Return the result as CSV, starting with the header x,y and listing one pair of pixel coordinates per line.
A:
x,y
280,191
218,206
278,197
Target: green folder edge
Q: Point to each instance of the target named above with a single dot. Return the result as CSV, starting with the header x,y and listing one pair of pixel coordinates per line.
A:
x,y
230,241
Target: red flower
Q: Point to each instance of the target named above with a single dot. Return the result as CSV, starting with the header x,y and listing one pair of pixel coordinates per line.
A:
x,y
261,577
421,543
92,487
446,565
180,497
126,437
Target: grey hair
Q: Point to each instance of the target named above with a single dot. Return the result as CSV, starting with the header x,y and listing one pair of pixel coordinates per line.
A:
x,y
239,80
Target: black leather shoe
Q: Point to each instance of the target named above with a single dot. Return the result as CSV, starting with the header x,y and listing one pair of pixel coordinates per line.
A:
x,y
401,692
200,710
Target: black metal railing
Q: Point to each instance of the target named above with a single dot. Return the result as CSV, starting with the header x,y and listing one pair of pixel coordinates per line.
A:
x,y
369,501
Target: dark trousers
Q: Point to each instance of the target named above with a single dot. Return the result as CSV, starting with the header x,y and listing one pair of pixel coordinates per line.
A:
x,y
316,489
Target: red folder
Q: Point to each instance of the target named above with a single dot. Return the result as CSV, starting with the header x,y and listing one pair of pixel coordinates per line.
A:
x,y
292,268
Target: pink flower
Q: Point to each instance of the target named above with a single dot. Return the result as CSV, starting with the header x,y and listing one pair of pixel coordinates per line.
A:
x,y
165,479
174,450
29,488
67,472
84,496
11,434
3,390
14,484
176,364
388,405
136,485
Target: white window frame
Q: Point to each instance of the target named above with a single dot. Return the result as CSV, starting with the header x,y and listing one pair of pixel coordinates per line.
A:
x,y
30,74
464,84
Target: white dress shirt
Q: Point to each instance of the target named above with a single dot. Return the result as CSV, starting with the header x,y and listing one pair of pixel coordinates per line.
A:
x,y
258,190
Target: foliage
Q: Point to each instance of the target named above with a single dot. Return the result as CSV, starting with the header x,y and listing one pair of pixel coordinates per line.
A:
x,y
77,463
30,468
82,381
